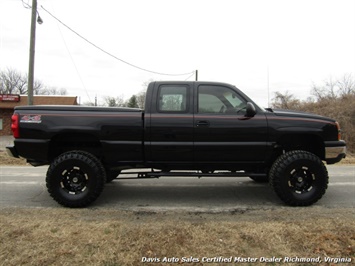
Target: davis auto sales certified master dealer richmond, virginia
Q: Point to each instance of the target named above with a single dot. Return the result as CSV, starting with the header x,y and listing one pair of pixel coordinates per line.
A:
x,y
236,259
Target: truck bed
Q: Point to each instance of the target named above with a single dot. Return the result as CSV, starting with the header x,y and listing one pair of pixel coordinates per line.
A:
x,y
110,133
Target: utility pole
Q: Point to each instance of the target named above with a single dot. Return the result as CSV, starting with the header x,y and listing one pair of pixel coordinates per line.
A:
x,y
196,75
32,53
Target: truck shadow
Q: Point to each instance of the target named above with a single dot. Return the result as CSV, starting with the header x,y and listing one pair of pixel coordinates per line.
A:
x,y
187,193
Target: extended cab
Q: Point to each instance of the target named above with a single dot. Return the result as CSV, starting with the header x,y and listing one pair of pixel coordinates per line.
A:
x,y
202,128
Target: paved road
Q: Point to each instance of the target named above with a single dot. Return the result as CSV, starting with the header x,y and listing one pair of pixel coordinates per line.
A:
x,y
25,186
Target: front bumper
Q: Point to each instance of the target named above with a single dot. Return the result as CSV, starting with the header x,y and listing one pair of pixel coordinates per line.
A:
x,y
335,151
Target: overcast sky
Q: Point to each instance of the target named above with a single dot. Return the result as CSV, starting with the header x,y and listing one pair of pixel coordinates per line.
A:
x,y
254,44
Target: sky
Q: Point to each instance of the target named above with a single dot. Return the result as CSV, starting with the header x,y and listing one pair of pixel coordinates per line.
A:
x,y
257,45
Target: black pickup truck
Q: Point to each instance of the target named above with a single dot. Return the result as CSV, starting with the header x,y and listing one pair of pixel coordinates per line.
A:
x,y
186,129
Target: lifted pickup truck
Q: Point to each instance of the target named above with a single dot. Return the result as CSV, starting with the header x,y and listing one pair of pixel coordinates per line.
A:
x,y
186,129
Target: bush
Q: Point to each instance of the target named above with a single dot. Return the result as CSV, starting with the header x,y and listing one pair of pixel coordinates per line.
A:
x,y
341,109
334,99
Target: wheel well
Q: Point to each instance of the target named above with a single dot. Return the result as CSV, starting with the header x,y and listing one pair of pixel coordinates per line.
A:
x,y
306,142
74,141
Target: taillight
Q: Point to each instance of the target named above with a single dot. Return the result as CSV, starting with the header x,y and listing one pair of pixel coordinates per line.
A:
x,y
339,130
15,126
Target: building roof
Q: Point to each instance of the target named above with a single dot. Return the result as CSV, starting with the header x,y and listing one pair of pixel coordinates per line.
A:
x,y
41,100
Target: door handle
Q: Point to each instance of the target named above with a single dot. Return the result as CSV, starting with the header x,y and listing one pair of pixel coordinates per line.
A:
x,y
203,123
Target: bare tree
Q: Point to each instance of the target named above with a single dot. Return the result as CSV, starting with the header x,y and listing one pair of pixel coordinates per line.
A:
x,y
142,94
346,85
285,101
114,101
141,99
332,89
326,91
146,83
37,87
12,81
52,91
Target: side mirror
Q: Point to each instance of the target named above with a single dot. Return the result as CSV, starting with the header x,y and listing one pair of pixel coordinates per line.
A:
x,y
251,111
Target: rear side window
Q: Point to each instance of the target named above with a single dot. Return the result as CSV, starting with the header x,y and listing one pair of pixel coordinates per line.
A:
x,y
173,98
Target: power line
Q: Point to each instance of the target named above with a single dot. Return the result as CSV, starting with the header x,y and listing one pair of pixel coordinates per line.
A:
x,y
115,57
76,68
26,5
192,74
72,60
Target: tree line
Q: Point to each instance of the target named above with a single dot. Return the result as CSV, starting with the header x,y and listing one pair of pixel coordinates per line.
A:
x,y
135,101
334,98
14,82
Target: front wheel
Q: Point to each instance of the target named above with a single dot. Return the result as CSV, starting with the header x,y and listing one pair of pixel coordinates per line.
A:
x,y
75,179
299,178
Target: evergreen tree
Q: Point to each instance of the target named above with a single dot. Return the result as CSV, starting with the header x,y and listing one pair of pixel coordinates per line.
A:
x,y
132,102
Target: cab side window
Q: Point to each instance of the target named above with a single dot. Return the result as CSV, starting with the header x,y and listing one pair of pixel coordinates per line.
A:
x,y
173,99
219,99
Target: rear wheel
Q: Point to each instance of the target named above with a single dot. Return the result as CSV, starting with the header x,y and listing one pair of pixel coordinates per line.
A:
x,y
299,178
75,179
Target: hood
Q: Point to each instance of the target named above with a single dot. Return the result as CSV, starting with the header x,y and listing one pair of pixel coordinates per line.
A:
x,y
290,113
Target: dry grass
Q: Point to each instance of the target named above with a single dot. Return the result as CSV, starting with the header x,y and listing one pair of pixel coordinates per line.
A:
x,y
110,237
350,159
7,160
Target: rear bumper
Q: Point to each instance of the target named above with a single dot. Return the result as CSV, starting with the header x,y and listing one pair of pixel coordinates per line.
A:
x,y
335,151
30,149
11,151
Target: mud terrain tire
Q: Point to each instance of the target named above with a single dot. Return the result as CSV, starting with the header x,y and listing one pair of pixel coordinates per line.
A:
x,y
299,178
75,179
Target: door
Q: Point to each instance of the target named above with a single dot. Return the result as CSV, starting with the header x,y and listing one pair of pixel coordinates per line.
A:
x,y
171,124
222,132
